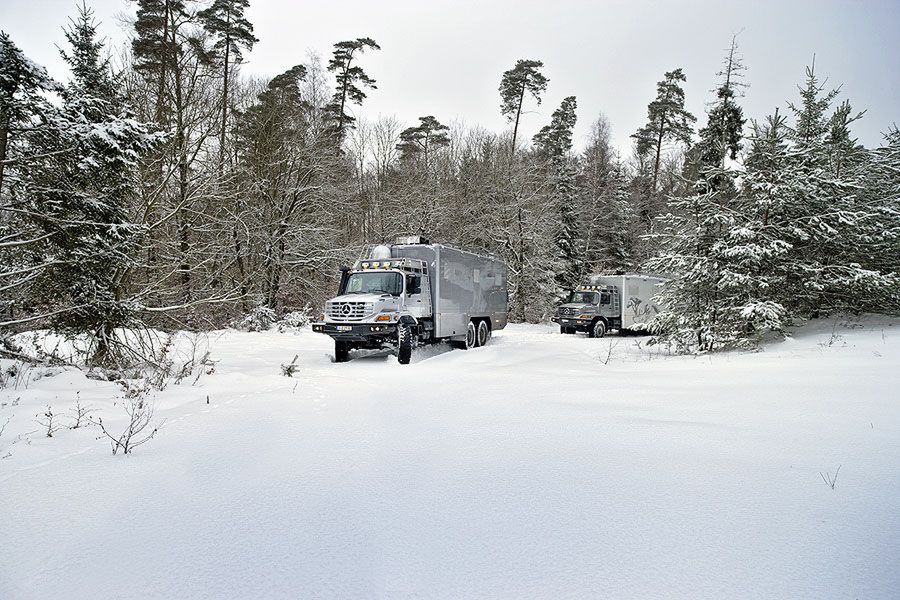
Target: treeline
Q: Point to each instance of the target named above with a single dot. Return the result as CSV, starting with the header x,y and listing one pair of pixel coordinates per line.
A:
x,y
173,191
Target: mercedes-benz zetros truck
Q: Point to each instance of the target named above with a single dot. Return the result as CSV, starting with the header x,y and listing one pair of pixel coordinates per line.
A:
x,y
414,292
604,302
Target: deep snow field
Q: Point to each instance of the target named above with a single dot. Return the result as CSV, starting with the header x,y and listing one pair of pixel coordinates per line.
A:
x,y
542,466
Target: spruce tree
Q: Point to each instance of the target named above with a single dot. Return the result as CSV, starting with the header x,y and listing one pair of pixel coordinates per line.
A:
x,y
351,80
78,192
721,138
524,77
692,237
554,144
23,85
25,109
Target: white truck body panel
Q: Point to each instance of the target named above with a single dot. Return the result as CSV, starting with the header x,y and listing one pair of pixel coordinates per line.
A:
x,y
463,285
637,292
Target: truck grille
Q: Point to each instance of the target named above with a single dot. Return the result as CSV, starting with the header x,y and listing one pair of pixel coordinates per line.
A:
x,y
568,312
347,311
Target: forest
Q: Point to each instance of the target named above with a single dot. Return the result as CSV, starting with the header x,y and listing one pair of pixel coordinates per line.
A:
x,y
162,188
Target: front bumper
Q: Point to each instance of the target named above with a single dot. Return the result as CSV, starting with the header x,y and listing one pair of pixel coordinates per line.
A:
x,y
356,332
579,324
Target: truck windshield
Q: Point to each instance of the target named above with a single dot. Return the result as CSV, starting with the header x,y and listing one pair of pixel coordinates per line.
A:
x,y
375,283
583,298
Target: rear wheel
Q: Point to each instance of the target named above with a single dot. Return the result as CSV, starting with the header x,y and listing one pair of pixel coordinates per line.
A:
x,y
484,333
471,337
598,329
404,344
341,351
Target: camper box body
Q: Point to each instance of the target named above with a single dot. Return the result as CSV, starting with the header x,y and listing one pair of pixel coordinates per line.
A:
x,y
463,286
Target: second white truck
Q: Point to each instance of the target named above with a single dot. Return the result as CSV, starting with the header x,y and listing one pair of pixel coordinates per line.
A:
x,y
604,302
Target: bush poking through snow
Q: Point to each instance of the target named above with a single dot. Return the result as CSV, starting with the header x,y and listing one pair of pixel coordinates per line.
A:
x,y
48,422
289,369
260,318
297,319
80,413
138,431
829,479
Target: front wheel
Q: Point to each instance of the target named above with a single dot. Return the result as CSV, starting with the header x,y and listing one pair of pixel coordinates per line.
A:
x,y
404,344
598,329
341,351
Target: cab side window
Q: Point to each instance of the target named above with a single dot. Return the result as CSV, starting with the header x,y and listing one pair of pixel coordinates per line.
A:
x,y
604,298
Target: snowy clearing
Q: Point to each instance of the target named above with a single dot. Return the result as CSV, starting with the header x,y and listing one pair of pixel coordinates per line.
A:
x,y
542,466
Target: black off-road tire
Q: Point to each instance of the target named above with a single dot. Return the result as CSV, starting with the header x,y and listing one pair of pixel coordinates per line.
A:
x,y
598,329
404,344
483,335
341,351
471,337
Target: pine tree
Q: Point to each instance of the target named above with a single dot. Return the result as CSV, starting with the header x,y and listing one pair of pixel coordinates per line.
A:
x,y
667,121
423,139
351,79
225,21
155,48
524,77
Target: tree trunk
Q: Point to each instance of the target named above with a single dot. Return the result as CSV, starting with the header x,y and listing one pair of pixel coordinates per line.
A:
x,y
518,114
224,100
4,138
181,217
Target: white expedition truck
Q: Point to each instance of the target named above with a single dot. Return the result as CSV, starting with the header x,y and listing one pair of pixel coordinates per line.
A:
x,y
414,292
604,302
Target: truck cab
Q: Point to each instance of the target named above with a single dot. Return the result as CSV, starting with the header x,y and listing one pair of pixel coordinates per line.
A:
x,y
591,309
375,298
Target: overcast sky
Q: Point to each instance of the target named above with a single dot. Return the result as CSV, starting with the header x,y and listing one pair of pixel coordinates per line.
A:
x,y
446,58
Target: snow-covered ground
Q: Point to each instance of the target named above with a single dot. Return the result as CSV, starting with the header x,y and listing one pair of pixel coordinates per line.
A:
x,y
543,466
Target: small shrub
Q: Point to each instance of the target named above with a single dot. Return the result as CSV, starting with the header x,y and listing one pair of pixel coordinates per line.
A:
x,y
48,421
138,431
288,370
80,413
260,318
297,319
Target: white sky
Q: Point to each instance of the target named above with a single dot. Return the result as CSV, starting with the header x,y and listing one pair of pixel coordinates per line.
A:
x,y
445,58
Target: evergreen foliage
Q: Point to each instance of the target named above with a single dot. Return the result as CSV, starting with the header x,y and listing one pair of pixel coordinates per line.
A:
x,y
351,80
524,77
